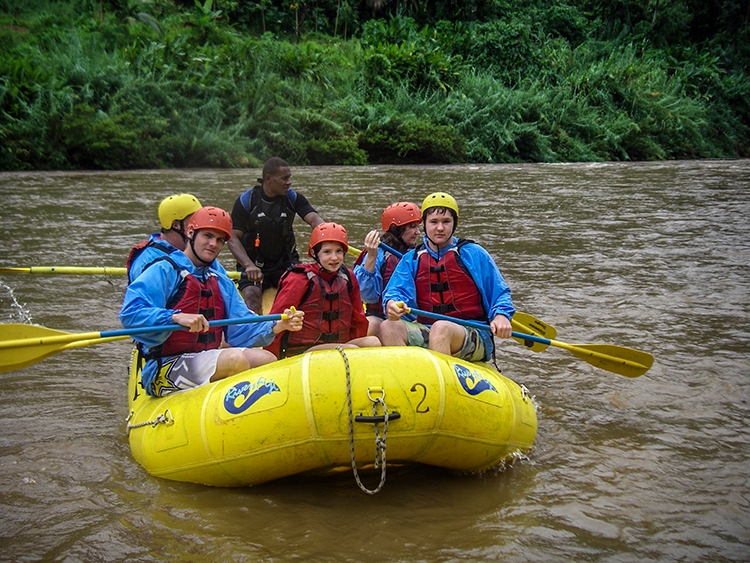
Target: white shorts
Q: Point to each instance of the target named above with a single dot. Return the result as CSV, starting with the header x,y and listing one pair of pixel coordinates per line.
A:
x,y
186,371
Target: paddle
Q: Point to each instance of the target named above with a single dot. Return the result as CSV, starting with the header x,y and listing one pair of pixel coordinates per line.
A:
x,y
522,322
22,345
617,359
78,270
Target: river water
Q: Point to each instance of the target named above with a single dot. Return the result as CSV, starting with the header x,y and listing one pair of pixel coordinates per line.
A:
x,y
652,256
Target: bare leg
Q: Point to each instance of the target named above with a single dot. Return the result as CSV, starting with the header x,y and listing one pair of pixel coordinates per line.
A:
x,y
235,360
253,296
393,333
331,346
446,337
364,342
373,326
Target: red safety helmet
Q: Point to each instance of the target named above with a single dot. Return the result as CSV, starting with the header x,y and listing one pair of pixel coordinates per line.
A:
x,y
401,213
327,231
212,218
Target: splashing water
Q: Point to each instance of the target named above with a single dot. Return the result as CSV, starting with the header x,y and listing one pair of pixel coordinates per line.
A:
x,y
16,312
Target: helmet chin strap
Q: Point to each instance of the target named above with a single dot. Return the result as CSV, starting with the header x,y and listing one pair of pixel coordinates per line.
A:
x,y
191,241
424,228
437,248
315,257
181,231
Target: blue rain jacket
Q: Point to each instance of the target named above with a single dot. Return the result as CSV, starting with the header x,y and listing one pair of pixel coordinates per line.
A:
x,y
145,304
495,292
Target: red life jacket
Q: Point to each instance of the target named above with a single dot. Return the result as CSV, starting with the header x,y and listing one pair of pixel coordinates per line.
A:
x,y
386,271
445,286
197,297
327,305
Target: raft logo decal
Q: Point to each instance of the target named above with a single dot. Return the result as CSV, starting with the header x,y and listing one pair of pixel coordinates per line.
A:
x,y
471,381
242,396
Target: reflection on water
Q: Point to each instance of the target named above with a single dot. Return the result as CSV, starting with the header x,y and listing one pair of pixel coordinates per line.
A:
x,y
653,256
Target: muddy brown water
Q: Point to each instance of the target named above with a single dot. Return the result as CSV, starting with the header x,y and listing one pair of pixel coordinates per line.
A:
x,y
652,256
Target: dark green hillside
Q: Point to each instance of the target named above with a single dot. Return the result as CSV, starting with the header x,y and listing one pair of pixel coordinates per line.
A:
x,y
140,84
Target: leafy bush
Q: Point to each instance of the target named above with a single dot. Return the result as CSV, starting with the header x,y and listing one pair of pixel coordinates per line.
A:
x,y
95,140
335,151
509,48
412,141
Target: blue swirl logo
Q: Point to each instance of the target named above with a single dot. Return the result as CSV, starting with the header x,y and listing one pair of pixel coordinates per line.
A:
x,y
248,393
471,381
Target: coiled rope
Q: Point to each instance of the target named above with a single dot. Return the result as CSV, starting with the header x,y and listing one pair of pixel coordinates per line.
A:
x,y
379,440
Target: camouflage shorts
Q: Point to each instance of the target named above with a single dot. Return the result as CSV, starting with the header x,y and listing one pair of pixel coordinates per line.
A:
x,y
472,349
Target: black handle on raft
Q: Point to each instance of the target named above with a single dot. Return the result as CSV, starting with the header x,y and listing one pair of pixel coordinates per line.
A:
x,y
377,419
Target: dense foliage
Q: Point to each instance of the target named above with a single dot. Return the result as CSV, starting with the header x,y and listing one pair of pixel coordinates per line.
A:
x,y
172,83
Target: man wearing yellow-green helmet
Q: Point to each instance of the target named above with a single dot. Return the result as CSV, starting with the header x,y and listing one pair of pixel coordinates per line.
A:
x,y
174,213
448,276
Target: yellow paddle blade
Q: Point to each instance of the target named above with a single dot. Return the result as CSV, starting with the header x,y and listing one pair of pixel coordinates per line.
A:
x,y
27,356
354,251
523,322
617,359
25,331
21,357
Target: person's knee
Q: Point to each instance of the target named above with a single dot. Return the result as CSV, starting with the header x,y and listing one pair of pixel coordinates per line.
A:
x,y
393,333
373,326
230,361
252,295
369,342
440,329
257,357
446,335
252,291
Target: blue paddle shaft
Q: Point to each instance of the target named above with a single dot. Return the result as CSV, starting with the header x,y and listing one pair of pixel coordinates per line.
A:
x,y
169,328
477,325
393,251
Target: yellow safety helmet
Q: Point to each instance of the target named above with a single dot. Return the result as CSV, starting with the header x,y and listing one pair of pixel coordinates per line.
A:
x,y
440,199
176,208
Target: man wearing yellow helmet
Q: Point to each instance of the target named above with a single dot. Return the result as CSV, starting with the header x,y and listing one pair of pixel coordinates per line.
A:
x,y
174,214
451,276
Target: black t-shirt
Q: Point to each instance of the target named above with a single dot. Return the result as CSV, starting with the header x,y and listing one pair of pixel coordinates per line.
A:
x,y
273,207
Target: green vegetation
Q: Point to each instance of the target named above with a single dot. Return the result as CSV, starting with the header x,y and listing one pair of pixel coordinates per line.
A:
x,y
97,84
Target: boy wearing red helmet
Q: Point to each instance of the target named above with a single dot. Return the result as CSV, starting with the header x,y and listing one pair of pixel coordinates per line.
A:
x,y
188,289
328,293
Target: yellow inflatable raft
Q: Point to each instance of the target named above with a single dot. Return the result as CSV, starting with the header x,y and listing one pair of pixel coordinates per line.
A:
x,y
330,409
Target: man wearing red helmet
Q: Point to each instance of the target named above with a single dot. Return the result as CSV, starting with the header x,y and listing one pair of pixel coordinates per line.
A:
x,y
189,290
328,293
374,267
